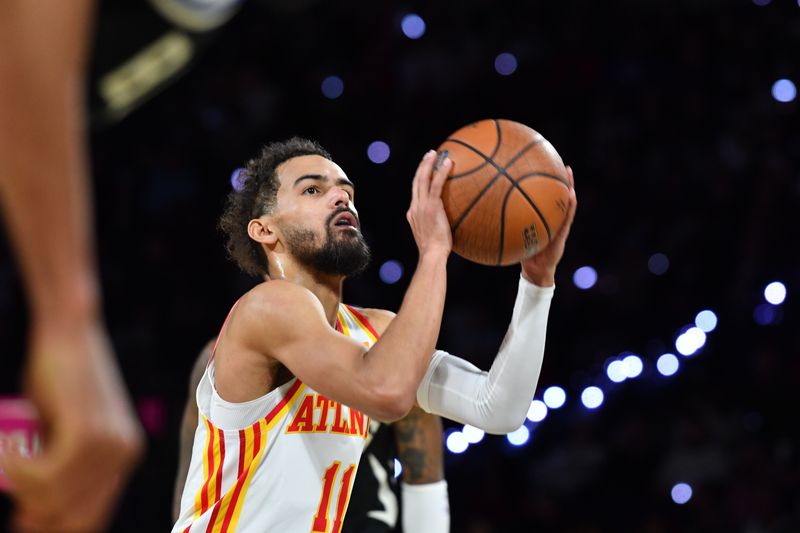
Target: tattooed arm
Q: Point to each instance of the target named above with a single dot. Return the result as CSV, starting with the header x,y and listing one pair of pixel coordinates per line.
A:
x,y
424,489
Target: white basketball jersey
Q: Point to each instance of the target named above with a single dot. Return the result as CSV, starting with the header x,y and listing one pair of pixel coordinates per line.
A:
x,y
290,471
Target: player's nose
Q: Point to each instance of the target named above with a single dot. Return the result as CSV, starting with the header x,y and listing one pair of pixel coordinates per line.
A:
x,y
339,196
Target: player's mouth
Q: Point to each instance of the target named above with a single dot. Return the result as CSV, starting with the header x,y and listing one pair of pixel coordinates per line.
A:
x,y
346,220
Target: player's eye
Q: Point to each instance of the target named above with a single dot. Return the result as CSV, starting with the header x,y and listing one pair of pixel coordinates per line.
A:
x,y
311,190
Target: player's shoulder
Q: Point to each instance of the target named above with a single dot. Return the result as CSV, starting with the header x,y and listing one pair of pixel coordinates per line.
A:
x,y
378,318
277,297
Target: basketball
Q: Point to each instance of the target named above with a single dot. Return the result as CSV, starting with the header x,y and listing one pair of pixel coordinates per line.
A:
x,y
507,193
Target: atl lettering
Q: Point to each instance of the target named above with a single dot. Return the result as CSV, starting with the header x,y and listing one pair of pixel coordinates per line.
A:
x,y
318,414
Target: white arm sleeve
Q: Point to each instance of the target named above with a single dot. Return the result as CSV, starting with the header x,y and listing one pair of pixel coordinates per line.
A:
x,y
495,401
426,508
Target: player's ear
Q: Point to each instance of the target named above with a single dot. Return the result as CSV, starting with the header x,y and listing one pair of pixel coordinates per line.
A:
x,y
262,230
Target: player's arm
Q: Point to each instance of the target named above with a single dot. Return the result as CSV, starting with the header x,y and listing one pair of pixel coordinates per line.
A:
x,y
381,381
188,427
92,437
426,508
498,400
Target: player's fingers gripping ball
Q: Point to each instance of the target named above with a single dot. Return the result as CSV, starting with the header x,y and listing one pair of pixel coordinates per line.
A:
x,y
507,194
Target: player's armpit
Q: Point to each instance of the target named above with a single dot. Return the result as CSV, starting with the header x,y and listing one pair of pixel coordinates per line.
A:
x,y
301,338
419,447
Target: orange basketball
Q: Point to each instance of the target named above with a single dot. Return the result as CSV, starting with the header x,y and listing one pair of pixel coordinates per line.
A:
x,y
507,194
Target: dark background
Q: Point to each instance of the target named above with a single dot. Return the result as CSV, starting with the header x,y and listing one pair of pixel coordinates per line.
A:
x,y
663,109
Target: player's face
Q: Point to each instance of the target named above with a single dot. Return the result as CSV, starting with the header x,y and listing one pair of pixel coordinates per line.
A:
x,y
317,217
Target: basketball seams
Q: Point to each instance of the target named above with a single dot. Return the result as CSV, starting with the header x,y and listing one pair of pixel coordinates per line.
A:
x,y
485,159
543,175
474,202
501,171
502,244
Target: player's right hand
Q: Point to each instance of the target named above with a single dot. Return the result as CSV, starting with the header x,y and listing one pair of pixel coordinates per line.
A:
x,y
92,439
426,214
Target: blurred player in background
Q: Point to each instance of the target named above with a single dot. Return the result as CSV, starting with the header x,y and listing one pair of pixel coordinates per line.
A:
x,y
91,437
415,440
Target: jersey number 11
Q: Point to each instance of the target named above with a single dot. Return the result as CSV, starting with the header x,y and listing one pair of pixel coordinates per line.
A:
x,y
320,524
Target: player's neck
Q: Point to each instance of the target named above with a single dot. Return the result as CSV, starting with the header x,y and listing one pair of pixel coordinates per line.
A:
x,y
326,287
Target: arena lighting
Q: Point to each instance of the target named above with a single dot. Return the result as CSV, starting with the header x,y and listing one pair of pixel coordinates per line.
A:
x,y
690,341
332,87
413,26
456,442
519,436
667,364
633,366
681,493
505,64
537,411
706,320
775,293
398,468
616,371
554,397
236,180
473,434
658,264
585,277
391,272
626,365
378,152
784,91
762,2
592,397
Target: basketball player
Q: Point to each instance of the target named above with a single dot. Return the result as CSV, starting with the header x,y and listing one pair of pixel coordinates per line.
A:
x,y
416,440
320,369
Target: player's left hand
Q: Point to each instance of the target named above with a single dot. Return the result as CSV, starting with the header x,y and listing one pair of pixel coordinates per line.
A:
x,y
540,268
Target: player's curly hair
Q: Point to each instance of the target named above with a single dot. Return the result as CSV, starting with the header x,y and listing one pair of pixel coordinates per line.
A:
x,y
256,197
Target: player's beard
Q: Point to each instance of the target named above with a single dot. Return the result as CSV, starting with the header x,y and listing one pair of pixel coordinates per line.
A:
x,y
344,253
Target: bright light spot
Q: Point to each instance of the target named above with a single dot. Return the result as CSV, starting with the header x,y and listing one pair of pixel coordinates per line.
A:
x,y
413,26
398,468
765,314
554,397
784,91
237,179
505,64
616,371
537,411
633,366
391,272
706,320
667,364
690,341
658,264
592,397
519,437
332,87
457,442
585,277
473,434
378,152
681,493
761,2
775,293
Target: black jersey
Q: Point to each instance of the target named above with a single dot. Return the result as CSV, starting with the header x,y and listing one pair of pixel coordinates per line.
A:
x,y
140,46
375,503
